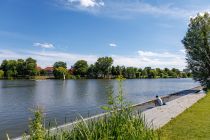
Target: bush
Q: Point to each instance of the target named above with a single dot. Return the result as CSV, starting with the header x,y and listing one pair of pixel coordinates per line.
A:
x,y
37,131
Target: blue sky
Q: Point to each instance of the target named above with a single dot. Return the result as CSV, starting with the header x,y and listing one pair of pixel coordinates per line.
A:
x,y
134,32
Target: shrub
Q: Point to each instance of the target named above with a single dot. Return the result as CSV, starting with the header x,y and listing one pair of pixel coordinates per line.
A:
x,y
37,131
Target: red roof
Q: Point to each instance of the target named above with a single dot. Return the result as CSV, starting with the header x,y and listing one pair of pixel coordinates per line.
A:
x,y
49,69
38,68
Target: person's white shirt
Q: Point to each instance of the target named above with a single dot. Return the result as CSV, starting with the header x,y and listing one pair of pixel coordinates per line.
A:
x,y
160,101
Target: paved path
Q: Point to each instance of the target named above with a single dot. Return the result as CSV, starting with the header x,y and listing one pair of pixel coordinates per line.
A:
x,y
161,115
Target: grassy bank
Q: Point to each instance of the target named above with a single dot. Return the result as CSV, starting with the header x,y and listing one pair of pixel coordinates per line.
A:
x,y
194,123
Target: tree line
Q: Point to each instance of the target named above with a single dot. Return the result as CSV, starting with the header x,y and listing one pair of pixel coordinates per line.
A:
x,y
103,68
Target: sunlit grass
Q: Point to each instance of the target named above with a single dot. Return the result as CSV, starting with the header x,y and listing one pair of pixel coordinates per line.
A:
x,y
194,123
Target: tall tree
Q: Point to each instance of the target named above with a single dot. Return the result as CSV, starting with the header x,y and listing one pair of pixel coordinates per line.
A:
x,y
103,66
10,68
21,67
197,45
91,73
59,64
81,68
30,66
4,66
60,72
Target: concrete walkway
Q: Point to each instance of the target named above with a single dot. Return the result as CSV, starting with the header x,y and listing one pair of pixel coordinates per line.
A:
x,y
161,115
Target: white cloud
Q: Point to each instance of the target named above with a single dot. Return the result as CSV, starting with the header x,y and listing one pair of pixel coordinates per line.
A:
x,y
152,59
113,45
141,59
43,45
82,4
91,3
155,54
125,8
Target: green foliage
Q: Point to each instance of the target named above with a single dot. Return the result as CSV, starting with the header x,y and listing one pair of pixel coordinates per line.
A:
x,y
30,65
92,72
60,64
81,68
1,74
19,68
37,130
60,72
42,72
197,45
103,66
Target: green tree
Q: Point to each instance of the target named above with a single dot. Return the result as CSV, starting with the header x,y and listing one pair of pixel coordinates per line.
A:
x,y
124,71
30,66
1,74
43,72
197,45
172,74
81,68
60,72
152,73
4,66
114,71
21,67
159,72
91,71
130,72
10,68
177,71
103,66
118,70
59,64
184,75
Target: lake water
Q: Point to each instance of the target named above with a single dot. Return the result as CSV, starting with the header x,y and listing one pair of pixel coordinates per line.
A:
x,y
62,101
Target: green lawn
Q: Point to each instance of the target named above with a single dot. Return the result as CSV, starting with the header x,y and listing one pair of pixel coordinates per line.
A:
x,y
193,124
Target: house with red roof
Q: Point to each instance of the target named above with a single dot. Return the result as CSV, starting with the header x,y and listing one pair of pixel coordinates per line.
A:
x,y
49,71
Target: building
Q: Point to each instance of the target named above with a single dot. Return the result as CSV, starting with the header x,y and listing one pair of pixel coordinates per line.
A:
x,y
49,71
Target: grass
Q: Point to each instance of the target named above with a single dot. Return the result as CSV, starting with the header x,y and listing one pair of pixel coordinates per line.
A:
x,y
192,124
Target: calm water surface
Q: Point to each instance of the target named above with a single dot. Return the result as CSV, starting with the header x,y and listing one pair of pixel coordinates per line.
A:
x,y
62,101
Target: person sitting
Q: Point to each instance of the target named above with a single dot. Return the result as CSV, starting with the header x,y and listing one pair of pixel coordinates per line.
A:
x,y
159,101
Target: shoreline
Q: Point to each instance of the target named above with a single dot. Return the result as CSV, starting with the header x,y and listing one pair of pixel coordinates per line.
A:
x,y
142,107
44,79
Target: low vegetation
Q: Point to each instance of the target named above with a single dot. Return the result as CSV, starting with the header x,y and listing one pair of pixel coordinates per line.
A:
x,y
120,124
